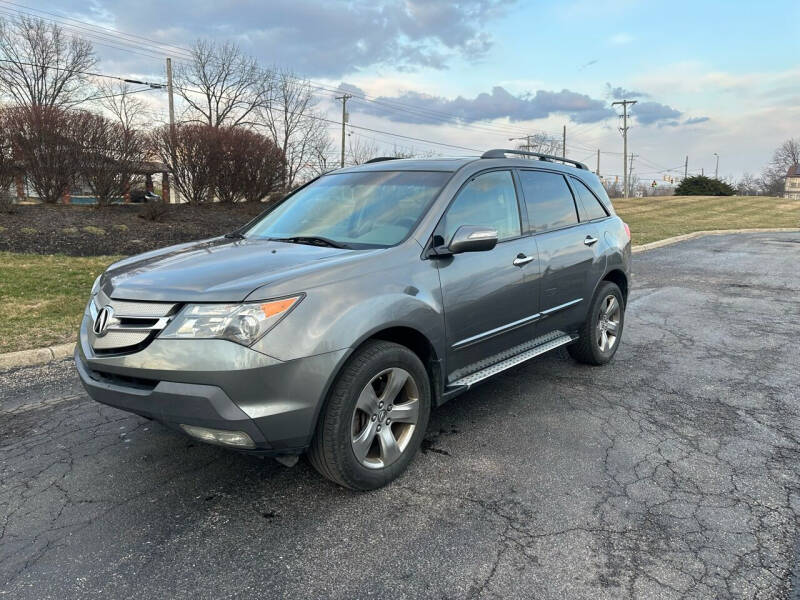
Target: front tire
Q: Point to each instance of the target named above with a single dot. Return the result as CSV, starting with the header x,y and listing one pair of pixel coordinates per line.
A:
x,y
375,418
601,333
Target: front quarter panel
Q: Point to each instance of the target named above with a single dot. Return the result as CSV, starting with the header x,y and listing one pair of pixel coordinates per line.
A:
x,y
395,289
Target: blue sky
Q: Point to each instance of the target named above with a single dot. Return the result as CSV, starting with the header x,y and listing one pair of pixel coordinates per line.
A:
x,y
710,76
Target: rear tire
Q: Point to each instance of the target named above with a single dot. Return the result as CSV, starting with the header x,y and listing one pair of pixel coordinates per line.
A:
x,y
375,418
601,333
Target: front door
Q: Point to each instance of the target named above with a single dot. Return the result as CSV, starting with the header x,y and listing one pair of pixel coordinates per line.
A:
x,y
490,298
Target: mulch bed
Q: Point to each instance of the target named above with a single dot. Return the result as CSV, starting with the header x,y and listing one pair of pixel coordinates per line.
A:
x,y
114,230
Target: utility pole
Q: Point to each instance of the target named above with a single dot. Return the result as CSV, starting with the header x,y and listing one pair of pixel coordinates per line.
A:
x,y
527,140
716,170
686,168
165,187
630,171
597,172
564,142
344,98
624,104
171,98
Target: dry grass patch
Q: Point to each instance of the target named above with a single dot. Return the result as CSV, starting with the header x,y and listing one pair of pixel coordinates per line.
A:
x,y
42,297
660,217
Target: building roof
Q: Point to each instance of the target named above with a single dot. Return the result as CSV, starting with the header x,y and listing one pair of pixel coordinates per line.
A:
x,y
794,171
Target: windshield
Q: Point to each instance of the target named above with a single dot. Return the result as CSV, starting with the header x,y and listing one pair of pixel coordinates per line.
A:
x,y
354,210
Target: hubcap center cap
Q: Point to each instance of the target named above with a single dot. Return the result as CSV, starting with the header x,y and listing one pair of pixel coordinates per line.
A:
x,y
382,415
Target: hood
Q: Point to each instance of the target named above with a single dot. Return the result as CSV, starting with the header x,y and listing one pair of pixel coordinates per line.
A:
x,y
215,270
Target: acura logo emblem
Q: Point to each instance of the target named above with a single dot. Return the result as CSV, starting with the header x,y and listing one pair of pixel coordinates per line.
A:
x,y
103,320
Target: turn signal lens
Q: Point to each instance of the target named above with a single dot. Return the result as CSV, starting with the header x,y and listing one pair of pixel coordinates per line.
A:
x,y
276,307
627,229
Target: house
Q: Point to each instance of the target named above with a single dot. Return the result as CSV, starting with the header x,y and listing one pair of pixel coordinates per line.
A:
x,y
79,192
792,186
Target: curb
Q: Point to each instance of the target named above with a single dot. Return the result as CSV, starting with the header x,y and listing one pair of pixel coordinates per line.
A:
x,y
38,356
697,234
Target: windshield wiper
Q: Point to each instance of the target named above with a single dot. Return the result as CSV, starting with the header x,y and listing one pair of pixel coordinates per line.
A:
x,y
312,240
234,236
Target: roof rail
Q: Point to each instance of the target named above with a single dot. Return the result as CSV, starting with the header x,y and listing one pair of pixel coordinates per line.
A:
x,y
380,159
501,153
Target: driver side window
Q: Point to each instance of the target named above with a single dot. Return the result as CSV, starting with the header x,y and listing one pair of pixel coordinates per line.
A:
x,y
489,200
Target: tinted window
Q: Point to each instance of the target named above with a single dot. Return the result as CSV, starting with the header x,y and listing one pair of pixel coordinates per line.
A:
x,y
549,201
489,200
358,210
588,206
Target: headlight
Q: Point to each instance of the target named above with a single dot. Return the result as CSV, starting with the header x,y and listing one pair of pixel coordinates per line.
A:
x,y
96,286
240,323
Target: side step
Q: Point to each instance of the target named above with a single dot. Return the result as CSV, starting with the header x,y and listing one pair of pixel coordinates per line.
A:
x,y
541,345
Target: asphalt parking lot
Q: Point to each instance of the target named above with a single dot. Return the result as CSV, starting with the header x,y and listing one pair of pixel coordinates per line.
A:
x,y
673,472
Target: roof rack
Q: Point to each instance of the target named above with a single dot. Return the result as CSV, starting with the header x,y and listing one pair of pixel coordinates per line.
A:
x,y
380,159
501,153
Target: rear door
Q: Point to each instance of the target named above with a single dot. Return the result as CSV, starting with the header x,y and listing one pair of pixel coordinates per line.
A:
x,y
490,298
569,251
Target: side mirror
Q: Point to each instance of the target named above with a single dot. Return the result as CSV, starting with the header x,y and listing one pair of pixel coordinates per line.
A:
x,y
469,238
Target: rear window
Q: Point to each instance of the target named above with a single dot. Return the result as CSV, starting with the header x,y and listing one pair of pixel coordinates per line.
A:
x,y
589,207
548,199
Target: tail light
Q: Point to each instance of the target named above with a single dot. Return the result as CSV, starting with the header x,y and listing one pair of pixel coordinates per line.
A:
x,y
627,229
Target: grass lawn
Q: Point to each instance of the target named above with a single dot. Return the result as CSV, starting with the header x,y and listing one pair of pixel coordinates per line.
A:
x,y
660,217
42,297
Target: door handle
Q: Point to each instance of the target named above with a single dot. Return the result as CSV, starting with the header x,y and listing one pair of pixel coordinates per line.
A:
x,y
590,240
522,260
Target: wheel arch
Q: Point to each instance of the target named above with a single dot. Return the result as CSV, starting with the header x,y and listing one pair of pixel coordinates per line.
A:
x,y
415,340
403,335
618,277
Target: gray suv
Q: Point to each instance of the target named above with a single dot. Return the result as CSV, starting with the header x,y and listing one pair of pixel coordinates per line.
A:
x,y
336,321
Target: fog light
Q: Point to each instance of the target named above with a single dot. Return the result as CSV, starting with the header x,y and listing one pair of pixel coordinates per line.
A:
x,y
237,439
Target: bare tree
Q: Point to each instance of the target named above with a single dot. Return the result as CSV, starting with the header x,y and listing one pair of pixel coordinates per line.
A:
x,y
118,100
323,157
748,185
191,156
44,142
222,86
109,155
785,156
40,65
249,165
7,167
543,143
359,150
294,126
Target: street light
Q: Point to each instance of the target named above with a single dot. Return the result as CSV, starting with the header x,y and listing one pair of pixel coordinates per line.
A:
x,y
716,171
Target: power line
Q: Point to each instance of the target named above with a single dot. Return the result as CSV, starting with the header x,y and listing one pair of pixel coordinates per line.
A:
x,y
134,37
186,53
98,39
154,86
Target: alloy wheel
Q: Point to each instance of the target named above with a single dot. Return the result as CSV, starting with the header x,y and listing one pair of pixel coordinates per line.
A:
x,y
385,418
608,323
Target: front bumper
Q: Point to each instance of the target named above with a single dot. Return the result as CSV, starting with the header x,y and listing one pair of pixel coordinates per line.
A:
x,y
216,384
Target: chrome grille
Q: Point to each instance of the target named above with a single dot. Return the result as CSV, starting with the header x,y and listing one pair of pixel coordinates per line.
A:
x,y
132,322
125,308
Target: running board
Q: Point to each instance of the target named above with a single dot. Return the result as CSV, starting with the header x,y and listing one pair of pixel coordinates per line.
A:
x,y
545,344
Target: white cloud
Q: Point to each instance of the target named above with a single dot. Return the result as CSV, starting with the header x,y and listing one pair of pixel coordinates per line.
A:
x,y
620,39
